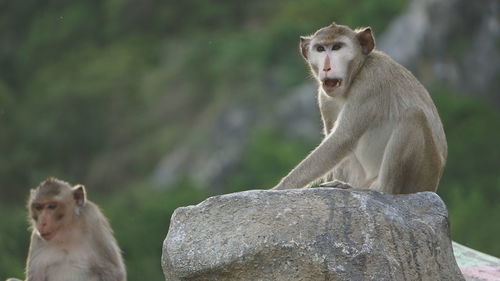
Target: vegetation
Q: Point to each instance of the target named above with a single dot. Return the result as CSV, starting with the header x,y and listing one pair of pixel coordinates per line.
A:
x,y
97,92
471,182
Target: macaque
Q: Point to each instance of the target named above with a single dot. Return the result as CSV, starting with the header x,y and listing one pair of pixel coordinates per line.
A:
x,y
71,240
381,128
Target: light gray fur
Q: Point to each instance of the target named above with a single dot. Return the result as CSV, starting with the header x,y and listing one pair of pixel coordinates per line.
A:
x,y
382,130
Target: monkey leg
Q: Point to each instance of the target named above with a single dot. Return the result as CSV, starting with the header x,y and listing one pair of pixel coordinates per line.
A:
x,y
347,174
411,162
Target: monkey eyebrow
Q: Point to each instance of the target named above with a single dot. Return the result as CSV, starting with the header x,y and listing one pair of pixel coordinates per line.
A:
x,y
315,46
41,205
328,42
37,206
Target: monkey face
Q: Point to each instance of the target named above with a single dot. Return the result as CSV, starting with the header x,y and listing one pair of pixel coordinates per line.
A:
x,y
331,53
50,217
53,206
330,61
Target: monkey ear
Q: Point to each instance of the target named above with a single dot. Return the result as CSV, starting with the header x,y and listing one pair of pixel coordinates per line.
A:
x,y
304,46
79,194
32,193
366,40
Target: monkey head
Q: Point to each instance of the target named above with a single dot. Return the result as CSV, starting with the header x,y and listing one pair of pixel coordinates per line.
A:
x,y
52,206
334,53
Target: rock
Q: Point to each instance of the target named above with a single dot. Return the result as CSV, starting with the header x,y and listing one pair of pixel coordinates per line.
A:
x,y
311,234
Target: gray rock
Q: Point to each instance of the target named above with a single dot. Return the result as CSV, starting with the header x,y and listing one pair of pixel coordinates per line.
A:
x,y
311,234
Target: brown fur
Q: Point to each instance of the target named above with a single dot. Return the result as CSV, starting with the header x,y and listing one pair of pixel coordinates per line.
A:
x,y
82,246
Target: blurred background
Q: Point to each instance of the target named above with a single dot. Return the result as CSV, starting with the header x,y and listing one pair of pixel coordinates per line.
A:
x,y
156,104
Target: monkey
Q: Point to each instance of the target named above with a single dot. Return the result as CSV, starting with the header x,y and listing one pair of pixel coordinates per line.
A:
x,y
71,239
381,128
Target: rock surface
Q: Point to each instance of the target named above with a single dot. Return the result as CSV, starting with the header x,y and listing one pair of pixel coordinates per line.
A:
x,y
311,234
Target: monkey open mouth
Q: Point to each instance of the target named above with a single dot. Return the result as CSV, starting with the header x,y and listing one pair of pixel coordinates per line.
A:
x,y
46,235
331,84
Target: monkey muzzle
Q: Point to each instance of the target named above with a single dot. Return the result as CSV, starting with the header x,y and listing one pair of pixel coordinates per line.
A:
x,y
330,84
46,235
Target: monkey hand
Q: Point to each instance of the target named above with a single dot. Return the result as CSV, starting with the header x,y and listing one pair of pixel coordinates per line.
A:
x,y
336,184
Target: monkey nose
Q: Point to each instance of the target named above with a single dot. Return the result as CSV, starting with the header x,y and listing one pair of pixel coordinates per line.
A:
x,y
327,69
42,224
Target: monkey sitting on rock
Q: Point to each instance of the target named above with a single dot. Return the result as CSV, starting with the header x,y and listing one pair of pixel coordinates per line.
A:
x,y
71,239
382,130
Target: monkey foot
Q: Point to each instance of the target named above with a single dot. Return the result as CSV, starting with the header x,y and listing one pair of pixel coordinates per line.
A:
x,y
336,184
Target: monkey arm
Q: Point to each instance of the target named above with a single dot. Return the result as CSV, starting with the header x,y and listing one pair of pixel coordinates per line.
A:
x,y
110,266
32,253
321,160
335,147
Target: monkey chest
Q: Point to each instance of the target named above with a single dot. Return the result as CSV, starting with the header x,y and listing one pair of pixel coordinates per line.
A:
x,y
371,147
62,265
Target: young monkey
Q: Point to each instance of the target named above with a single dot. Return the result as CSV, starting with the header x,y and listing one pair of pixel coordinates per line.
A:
x,y
382,130
71,239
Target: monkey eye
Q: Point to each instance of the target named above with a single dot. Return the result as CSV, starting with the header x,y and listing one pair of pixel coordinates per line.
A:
x,y
52,205
320,48
336,46
38,207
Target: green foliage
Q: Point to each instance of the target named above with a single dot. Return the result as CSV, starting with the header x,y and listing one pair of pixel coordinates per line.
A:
x,y
81,112
14,241
140,216
472,216
267,158
471,183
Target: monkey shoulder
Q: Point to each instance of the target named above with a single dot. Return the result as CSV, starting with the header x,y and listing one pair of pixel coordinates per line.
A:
x,y
102,238
92,214
390,87
382,69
